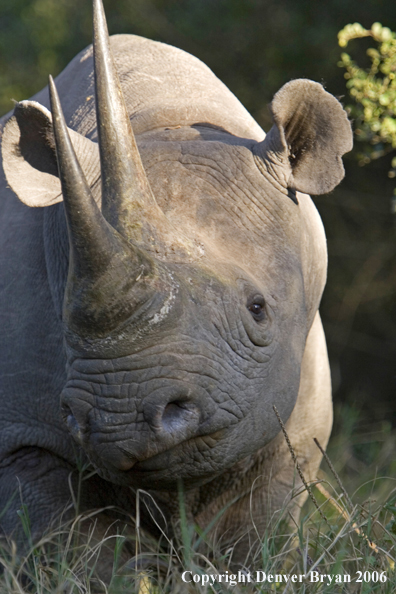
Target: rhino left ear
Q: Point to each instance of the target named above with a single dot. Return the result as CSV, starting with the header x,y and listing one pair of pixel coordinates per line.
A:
x,y
311,132
29,155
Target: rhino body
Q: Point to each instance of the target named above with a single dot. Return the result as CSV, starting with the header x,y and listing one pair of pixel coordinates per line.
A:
x,y
179,386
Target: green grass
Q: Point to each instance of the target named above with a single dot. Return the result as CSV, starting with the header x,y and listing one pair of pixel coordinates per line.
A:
x,y
358,534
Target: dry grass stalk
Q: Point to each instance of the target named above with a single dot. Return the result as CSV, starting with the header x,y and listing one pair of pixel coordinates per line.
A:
x,y
333,470
356,528
299,470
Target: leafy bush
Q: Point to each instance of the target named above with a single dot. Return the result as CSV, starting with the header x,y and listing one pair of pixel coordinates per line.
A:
x,y
374,91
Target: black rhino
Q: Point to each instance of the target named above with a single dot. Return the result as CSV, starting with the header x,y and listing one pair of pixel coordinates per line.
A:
x,y
163,295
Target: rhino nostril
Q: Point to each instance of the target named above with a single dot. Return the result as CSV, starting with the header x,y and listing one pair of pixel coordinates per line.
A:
x,y
177,414
72,424
172,409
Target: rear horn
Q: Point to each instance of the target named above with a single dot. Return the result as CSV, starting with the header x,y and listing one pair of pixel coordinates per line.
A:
x,y
124,181
128,203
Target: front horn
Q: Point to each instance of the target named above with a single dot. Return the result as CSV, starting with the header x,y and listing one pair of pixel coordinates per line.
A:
x,y
108,278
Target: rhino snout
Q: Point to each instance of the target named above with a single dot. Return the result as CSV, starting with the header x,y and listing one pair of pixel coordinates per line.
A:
x,y
117,441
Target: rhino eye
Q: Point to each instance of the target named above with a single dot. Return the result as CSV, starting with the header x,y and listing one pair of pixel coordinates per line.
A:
x,y
256,306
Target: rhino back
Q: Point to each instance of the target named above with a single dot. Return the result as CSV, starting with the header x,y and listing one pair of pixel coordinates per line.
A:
x,y
162,86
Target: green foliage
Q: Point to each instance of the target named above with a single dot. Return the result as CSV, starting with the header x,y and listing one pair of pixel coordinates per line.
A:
x,y
374,90
37,38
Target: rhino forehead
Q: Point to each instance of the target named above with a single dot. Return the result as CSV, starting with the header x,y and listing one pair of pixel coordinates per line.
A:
x,y
216,189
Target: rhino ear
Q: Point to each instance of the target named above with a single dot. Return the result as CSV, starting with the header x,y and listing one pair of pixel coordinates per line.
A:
x,y
29,155
310,134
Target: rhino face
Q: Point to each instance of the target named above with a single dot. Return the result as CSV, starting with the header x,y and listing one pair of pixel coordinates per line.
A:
x,y
192,389
182,331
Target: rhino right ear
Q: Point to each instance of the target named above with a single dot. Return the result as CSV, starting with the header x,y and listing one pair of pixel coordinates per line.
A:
x,y
310,134
29,155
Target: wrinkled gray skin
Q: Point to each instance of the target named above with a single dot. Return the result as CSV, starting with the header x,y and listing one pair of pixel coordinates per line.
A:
x,y
184,386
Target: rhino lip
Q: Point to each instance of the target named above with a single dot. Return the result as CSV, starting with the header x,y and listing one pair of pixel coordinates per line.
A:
x,y
157,462
127,463
160,461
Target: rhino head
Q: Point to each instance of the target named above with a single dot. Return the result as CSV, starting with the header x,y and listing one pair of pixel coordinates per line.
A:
x,y
181,338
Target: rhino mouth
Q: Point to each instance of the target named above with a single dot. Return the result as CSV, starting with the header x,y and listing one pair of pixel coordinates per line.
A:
x,y
160,461
164,469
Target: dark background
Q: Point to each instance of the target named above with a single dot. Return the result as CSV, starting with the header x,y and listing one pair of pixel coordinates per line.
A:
x,y
255,46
